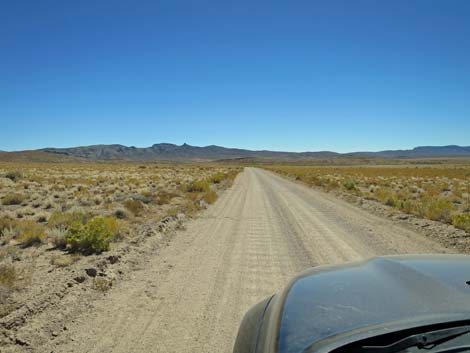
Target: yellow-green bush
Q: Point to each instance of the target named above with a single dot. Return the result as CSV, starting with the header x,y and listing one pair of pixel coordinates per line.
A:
x,y
13,199
386,196
94,236
438,209
30,233
198,186
462,221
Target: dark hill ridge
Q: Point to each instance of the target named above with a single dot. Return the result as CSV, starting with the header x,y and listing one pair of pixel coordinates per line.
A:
x,y
185,152
167,151
419,152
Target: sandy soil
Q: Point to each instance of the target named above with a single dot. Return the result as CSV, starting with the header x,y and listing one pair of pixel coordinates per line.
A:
x,y
191,296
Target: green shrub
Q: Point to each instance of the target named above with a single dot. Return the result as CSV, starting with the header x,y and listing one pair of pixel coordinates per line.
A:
x,y
135,206
94,236
30,233
349,185
462,221
198,186
13,199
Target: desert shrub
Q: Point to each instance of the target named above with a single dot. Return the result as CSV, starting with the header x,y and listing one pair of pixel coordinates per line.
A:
x,y
210,197
135,206
66,219
386,196
462,221
349,185
331,184
318,181
173,212
30,233
8,276
198,186
165,197
94,236
13,175
145,197
13,199
64,260
217,178
407,206
438,209
121,213
58,236
102,284
6,223
41,218
466,205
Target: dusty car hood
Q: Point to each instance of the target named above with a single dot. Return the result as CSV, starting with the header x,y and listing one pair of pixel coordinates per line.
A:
x,y
328,301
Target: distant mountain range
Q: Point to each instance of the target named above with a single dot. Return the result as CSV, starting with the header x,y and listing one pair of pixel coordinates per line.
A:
x,y
185,152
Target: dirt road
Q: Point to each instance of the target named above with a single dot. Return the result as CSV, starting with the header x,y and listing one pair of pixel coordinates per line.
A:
x,y
260,233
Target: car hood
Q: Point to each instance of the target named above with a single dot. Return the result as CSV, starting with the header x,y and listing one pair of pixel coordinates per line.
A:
x,y
381,292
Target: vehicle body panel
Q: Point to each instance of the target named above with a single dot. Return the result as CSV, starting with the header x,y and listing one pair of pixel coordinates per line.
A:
x,y
329,306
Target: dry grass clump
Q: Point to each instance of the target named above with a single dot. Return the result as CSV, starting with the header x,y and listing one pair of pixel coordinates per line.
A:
x,y
440,193
6,223
13,199
66,219
135,206
14,175
64,260
102,284
58,236
218,178
8,276
30,233
210,196
165,197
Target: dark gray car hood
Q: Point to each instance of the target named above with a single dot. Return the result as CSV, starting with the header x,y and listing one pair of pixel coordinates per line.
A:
x,y
386,291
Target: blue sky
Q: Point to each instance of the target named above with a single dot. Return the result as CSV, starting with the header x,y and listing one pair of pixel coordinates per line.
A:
x,y
283,75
